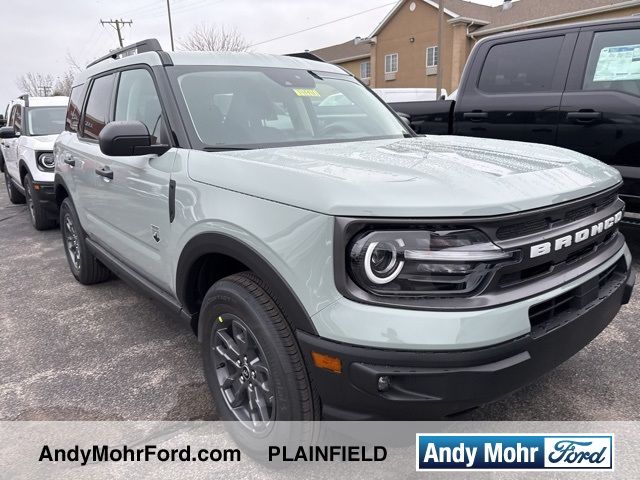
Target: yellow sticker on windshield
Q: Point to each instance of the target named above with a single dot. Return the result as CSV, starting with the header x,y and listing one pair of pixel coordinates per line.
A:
x,y
306,92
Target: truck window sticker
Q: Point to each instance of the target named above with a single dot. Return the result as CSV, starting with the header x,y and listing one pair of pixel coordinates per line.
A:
x,y
618,63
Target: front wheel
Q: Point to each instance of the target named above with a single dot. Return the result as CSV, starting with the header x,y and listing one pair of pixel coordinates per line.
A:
x,y
252,362
83,264
40,219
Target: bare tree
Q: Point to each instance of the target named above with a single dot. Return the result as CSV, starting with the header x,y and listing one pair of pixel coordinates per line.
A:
x,y
63,84
214,38
35,84
74,65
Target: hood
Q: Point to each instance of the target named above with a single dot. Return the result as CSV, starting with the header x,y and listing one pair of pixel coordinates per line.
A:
x,y
433,176
41,142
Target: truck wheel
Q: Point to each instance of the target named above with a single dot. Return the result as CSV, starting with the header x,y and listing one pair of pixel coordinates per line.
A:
x,y
15,196
83,264
252,362
40,219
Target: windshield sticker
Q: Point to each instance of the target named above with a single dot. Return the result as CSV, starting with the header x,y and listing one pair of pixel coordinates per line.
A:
x,y
618,63
306,92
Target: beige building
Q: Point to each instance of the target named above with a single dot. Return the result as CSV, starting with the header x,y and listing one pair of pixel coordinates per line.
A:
x,y
402,51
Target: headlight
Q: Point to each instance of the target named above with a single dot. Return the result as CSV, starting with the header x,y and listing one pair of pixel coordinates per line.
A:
x,y
46,161
418,263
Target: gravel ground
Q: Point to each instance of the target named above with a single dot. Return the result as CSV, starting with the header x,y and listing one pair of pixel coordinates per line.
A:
x,y
70,352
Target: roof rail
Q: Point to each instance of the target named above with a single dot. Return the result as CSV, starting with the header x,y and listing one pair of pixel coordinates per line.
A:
x,y
306,55
148,45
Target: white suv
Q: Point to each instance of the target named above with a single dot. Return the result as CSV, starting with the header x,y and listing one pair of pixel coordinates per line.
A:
x,y
27,149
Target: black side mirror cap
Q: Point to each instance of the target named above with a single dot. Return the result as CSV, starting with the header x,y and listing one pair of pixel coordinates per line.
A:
x,y
128,139
8,132
405,118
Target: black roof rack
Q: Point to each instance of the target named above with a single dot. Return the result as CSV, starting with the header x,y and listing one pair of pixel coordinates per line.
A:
x,y
149,45
306,55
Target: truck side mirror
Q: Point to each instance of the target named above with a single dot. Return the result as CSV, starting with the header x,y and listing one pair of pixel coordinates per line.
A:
x,y
128,139
405,119
3,122
8,132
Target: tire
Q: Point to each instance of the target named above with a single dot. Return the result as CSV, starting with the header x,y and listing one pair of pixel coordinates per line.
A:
x,y
15,196
83,264
242,301
40,219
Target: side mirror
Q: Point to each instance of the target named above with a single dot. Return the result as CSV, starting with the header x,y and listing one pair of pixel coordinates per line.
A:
x,y
128,139
405,119
3,122
8,132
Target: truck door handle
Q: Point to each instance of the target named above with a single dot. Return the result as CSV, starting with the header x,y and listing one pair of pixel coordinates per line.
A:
x,y
105,172
475,116
584,116
69,160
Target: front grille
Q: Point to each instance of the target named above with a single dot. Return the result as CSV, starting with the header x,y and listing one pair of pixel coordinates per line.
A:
x,y
555,218
518,277
553,313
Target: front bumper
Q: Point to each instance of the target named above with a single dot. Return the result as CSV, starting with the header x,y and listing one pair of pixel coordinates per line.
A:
x,y
433,384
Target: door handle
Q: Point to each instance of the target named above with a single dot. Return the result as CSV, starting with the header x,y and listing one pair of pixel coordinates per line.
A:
x,y
69,160
475,116
105,172
584,116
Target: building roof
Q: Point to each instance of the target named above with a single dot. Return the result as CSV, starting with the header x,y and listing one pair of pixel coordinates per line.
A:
x,y
344,52
523,13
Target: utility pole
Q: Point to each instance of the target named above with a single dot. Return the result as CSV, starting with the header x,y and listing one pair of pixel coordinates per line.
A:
x,y
170,26
117,24
440,28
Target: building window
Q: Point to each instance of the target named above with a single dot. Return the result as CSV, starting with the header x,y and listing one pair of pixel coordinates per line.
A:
x,y
365,70
391,63
433,56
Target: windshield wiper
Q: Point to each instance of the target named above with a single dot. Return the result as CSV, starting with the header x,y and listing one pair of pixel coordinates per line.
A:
x,y
224,149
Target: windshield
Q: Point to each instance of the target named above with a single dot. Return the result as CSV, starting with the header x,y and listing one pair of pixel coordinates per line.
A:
x,y
247,108
45,120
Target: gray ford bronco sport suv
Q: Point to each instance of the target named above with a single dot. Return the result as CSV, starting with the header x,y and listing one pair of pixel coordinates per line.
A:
x,y
332,263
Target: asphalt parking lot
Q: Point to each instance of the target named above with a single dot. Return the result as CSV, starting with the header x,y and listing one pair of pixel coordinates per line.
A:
x,y
70,352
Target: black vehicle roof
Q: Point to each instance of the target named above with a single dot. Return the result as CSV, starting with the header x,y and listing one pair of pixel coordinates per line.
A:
x,y
565,27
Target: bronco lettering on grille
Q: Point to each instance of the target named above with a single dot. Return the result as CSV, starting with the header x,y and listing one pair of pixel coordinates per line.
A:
x,y
566,241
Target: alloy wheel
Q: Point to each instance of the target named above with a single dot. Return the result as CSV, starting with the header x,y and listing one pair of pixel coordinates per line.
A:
x,y
242,373
71,241
32,211
6,182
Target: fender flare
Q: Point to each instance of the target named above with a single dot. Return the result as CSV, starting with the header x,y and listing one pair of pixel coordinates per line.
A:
x,y
58,181
22,163
218,243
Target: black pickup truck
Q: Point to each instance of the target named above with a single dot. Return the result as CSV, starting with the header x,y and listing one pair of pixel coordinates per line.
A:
x,y
575,86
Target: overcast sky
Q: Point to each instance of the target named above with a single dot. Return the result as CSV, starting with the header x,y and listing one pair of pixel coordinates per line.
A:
x,y
38,34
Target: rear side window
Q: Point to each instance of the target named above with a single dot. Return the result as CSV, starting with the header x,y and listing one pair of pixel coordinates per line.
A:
x,y
17,118
521,67
96,114
138,100
74,109
614,62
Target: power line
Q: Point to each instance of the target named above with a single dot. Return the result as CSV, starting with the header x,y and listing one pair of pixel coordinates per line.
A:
x,y
118,26
322,24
